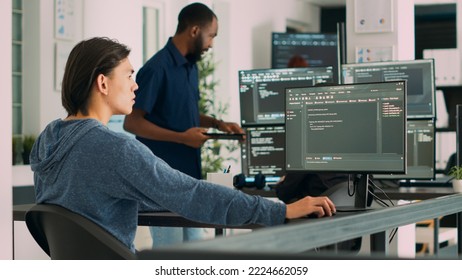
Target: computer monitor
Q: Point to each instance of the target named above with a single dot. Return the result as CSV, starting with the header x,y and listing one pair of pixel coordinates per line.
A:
x,y
355,129
419,74
420,152
261,91
312,49
263,151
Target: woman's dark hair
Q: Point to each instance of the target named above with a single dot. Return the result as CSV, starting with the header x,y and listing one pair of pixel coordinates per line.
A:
x,y
194,14
87,60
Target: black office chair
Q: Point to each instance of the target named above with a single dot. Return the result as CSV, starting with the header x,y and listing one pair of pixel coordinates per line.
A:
x,y
65,235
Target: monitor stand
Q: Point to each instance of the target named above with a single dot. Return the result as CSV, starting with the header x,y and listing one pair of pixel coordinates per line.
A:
x,y
344,203
362,192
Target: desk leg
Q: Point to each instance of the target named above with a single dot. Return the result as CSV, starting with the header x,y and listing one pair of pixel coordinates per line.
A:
x,y
459,233
436,241
379,243
218,231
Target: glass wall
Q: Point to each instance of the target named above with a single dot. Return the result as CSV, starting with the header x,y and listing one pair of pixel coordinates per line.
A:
x,y
17,26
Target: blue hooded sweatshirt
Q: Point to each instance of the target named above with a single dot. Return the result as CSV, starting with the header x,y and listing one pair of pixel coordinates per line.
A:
x,y
109,177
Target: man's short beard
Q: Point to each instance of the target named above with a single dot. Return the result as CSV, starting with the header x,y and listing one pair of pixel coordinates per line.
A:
x,y
196,54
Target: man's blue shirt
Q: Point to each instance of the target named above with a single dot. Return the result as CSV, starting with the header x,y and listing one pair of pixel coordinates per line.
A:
x,y
169,94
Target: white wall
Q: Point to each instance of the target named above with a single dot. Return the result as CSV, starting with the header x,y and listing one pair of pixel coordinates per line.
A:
x,y
6,225
123,21
402,36
42,101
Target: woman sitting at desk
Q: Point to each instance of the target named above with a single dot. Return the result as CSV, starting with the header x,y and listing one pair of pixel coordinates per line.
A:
x,y
109,177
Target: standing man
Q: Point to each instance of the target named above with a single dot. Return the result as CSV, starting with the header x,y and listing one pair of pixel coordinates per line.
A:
x,y
166,114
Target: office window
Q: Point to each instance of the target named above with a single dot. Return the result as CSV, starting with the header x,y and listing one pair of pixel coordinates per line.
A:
x,y
152,28
150,32
437,22
17,26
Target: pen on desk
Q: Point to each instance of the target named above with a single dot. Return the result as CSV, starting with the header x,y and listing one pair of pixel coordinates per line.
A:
x,y
227,170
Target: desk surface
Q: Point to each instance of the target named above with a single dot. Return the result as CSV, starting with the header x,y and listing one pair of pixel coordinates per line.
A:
x,y
168,219
19,211
406,193
162,219
415,193
304,235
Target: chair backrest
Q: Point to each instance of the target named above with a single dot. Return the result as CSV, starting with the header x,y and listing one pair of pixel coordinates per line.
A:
x,y
65,235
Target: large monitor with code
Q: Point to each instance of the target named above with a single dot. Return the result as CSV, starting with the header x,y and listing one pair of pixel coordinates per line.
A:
x,y
419,74
305,50
261,91
355,129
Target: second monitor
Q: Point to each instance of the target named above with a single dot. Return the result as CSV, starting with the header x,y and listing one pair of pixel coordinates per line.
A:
x,y
305,50
419,75
261,91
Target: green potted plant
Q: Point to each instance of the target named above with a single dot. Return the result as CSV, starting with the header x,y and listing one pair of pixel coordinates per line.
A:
x,y
212,152
456,173
17,149
27,144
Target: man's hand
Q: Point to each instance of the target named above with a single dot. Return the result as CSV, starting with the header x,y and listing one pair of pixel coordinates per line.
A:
x,y
230,127
194,137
